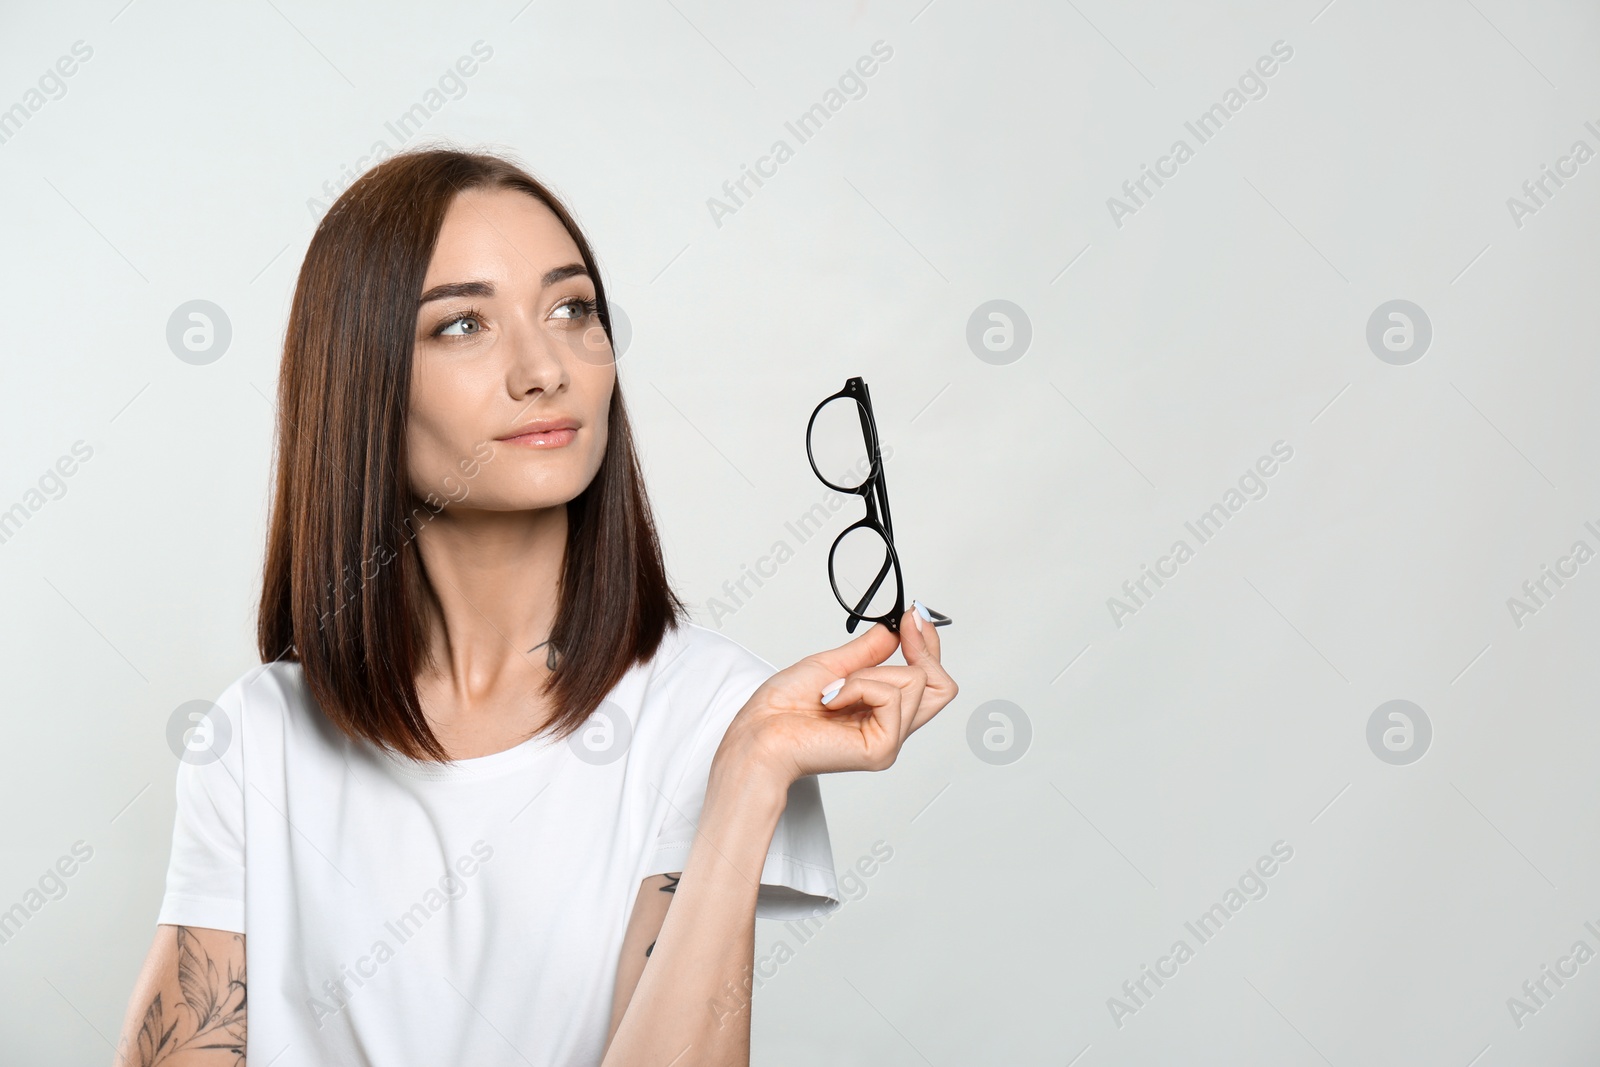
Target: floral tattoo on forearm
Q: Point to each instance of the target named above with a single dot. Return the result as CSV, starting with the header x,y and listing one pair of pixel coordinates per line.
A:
x,y
210,1014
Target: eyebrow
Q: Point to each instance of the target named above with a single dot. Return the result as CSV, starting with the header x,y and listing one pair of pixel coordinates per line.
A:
x,y
486,289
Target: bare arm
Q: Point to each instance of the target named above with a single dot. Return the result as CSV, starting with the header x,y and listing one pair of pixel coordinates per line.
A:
x,y
691,1005
692,999
188,1004
644,925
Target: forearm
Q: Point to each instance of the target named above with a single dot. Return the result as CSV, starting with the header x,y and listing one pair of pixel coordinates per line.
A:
x,y
691,1006
188,1004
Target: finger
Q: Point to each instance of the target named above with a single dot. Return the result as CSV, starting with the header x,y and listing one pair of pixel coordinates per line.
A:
x,y
920,648
882,711
872,647
912,683
926,630
864,693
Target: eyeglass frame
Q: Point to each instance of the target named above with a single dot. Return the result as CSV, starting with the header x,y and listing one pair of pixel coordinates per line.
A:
x,y
874,492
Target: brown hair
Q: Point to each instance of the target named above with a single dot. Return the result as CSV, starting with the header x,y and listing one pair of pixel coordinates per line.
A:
x,y
343,588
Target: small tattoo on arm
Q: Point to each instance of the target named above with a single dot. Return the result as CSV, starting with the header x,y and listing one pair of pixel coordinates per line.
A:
x,y
670,887
209,1014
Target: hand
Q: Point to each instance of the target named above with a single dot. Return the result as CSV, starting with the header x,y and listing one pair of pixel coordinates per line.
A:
x,y
785,731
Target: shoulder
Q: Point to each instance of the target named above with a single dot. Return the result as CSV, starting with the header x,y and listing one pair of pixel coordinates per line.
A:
x,y
267,701
217,738
697,657
265,690
697,678
269,719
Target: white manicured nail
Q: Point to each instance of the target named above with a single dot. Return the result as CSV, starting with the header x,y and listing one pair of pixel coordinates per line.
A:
x,y
832,690
922,611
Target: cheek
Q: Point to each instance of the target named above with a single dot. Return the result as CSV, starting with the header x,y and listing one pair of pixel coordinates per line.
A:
x,y
435,434
426,455
603,425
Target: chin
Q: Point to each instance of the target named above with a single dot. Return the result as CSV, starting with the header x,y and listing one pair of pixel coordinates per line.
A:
x,y
539,493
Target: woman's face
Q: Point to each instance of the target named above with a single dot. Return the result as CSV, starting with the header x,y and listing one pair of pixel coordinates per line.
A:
x,y
507,340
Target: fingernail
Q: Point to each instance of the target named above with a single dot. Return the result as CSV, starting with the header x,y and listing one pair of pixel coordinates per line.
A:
x,y
917,618
832,690
922,611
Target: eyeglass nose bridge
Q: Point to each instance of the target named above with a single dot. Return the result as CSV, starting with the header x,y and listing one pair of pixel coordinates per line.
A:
x,y
892,618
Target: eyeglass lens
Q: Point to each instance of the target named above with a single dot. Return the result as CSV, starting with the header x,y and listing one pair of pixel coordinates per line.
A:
x,y
860,561
839,444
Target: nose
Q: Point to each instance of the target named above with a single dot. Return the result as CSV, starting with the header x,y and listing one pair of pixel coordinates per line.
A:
x,y
538,359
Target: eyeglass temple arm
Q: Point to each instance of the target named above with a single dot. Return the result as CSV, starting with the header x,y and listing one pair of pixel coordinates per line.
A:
x,y
873,588
877,494
857,612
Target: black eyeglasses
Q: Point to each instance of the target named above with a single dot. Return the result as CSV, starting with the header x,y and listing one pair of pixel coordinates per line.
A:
x,y
868,556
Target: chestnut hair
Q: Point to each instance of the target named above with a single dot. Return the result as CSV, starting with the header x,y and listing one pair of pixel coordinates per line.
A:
x,y
343,588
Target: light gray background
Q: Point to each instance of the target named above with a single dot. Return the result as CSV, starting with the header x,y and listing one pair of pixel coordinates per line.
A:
x,y
1167,354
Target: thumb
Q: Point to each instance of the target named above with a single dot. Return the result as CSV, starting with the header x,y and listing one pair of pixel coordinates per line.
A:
x,y
869,649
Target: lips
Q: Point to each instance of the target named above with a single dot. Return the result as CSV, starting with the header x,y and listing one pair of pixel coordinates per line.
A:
x,y
551,439
543,433
541,426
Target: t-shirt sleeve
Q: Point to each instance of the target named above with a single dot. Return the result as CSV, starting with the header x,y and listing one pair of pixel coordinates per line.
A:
x,y
797,879
205,874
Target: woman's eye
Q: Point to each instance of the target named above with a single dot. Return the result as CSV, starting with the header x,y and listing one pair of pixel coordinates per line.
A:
x,y
449,328
578,307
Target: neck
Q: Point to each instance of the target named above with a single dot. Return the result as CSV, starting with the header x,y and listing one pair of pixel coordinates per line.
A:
x,y
495,580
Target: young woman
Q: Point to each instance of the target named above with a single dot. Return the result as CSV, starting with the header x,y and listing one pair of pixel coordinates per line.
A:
x,y
490,797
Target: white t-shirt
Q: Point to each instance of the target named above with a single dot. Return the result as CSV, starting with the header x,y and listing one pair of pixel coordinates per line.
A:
x,y
399,912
